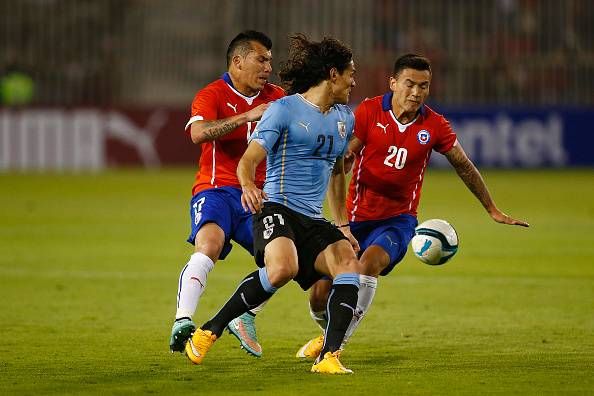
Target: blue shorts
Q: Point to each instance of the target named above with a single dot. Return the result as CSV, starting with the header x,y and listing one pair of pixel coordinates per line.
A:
x,y
392,234
222,206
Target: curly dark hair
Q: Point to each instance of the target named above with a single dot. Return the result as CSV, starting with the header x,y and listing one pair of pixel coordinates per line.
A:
x,y
310,62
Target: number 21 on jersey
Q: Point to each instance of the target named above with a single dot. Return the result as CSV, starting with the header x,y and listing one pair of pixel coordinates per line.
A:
x,y
396,157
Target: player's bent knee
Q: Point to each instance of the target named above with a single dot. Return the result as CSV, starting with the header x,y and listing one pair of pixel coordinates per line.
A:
x,y
280,272
351,265
280,258
210,241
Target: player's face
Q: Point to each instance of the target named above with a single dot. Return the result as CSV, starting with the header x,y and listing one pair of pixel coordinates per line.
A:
x,y
410,88
255,68
343,84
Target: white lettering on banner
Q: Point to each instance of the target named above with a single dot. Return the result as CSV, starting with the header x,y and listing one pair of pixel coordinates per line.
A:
x,y
530,142
53,139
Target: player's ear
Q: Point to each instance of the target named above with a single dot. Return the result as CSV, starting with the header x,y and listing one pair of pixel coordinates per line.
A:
x,y
392,83
237,61
333,74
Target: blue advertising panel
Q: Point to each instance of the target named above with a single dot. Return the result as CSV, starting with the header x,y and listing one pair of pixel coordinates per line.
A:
x,y
523,137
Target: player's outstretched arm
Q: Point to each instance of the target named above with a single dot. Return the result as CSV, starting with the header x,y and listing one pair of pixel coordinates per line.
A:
x,y
475,183
252,197
209,130
337,201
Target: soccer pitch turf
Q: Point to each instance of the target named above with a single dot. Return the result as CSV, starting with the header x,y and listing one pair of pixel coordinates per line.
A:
x,y
89,267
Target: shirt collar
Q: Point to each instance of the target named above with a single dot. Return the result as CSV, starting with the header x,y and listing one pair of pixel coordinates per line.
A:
x,y
227,79
387,103
249,99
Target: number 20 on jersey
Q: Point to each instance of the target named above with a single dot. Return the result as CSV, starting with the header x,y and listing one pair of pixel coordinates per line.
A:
x,y
396,157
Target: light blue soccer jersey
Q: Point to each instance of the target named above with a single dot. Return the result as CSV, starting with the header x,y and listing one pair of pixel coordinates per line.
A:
x,y
302,146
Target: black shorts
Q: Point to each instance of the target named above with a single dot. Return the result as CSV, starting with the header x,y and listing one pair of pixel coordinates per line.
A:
x,y
311,236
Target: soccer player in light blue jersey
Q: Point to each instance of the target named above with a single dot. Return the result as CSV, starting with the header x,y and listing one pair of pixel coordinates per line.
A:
x,y
303,138
394,137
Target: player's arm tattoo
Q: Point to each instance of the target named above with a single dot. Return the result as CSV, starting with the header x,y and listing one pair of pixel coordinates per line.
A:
x,y
470,175
215,129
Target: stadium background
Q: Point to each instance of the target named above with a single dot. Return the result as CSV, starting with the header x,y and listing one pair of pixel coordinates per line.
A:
x,y
114,79
95,175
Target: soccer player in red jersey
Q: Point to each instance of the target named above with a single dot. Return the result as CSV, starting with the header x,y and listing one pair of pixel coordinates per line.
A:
x,y
394,136
223,115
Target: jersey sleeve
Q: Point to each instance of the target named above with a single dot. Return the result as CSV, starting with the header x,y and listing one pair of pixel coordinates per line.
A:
x,y
446,137
361,118
204,106
269,128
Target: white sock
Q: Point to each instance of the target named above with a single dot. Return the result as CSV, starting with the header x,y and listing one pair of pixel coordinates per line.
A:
x,y
367,286
192,282
256,311
320,318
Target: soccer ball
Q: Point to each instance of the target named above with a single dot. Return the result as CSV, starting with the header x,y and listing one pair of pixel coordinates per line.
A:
x,y
435,242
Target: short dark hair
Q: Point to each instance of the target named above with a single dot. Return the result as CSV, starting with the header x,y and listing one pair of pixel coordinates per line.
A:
x,y
241,43
310,62
411,61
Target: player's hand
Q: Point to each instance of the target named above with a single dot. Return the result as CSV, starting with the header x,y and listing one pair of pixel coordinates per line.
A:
x,y
347,233
502,218
349,160
256,113
252,198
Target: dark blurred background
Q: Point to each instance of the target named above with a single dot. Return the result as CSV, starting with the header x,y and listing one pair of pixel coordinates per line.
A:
x,y
135,65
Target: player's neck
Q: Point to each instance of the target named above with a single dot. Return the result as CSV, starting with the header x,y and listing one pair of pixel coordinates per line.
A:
x,y
241,87
319,96
402,116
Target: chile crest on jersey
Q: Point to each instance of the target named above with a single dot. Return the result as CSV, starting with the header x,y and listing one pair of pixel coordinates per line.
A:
x,y
423,136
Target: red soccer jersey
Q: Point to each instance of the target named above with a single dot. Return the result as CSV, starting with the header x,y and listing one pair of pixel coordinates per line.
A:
x,y
389,169
219,158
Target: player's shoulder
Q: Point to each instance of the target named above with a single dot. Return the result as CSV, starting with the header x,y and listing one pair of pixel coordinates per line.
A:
x,y
373,101
284,101
371,104
344,109
215,87
432,116
289,102
273,91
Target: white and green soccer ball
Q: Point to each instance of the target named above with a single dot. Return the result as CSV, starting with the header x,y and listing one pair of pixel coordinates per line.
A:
x,y
435,242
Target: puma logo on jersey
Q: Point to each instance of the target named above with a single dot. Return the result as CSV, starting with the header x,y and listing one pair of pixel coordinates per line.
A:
x,y
233,107
382,126
306,126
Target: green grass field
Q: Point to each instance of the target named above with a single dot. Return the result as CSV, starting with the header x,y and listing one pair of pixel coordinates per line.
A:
x,y
88,276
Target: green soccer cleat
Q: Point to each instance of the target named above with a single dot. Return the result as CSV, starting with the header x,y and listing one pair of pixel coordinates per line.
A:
x,y
180,333
244,328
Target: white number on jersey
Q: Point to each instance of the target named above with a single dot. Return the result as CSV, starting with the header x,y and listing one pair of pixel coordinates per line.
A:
x,y
399,153
251,126
269,224
197,209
